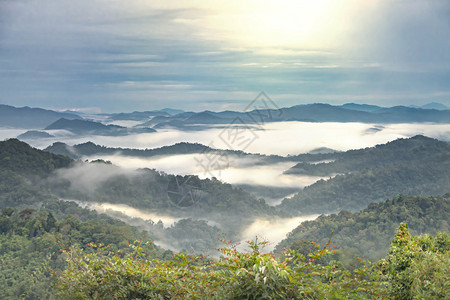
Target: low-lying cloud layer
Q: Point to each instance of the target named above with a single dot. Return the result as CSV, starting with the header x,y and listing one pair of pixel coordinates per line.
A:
x,y
87,177
237,171
110,209
280,138
273,230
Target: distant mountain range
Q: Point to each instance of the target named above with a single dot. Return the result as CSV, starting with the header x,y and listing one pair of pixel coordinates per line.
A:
x,y
26,117
142,115
367,107
434,105
306,113
86,127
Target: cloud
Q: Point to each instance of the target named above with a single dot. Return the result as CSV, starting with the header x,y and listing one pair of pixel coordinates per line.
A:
x,y
281,138
278,138
272,230
141,55
236,171
87,177
111,209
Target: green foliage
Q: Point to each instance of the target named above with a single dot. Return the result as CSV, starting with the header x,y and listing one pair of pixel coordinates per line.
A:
x,y
106,274
413,269
19,157
30,243
24,264
192,235
416,166
417,267
401,150
237,275
31,178
369,231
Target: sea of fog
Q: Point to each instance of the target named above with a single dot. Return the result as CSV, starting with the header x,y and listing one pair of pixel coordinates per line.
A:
x,y
236,171
281,138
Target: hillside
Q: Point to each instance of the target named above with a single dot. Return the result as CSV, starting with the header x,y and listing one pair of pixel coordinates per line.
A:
x,y
401,150
89,148
370,231
415,166
19,157
31,241
152,192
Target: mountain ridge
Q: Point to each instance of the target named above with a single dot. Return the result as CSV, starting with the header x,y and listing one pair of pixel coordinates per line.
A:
x,y
27,117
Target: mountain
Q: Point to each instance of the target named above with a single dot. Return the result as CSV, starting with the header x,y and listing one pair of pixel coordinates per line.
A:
x,y
29,176
317,112
144,115
204,118
322,150
35,225
435,105
403,114
34,134
81,126
89,149
22,169
137,116
370,231
361,107
26,117
171,111
415,148
320,112
19,157
415,166
85,127
171,118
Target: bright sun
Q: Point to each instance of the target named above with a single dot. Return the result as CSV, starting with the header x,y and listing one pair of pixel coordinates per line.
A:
x,y
284,23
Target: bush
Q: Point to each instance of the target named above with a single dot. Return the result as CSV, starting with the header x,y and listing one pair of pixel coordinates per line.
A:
x,y
237,275
417,267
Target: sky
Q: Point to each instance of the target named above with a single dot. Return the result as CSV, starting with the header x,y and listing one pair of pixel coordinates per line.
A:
x,y
110,56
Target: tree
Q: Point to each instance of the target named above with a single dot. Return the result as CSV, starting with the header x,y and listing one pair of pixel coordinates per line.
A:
x,y
414,268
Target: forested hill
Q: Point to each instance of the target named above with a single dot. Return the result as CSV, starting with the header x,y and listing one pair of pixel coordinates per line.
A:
x,y
145,188
416,148
89,148
415,166
370,231
19,157
23,170
149,190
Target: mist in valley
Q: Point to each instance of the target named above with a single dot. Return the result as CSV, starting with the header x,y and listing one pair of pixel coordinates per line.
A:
x,y
248,172
281,138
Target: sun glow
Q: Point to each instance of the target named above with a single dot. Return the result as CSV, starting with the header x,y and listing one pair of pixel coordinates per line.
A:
x,y
285,23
